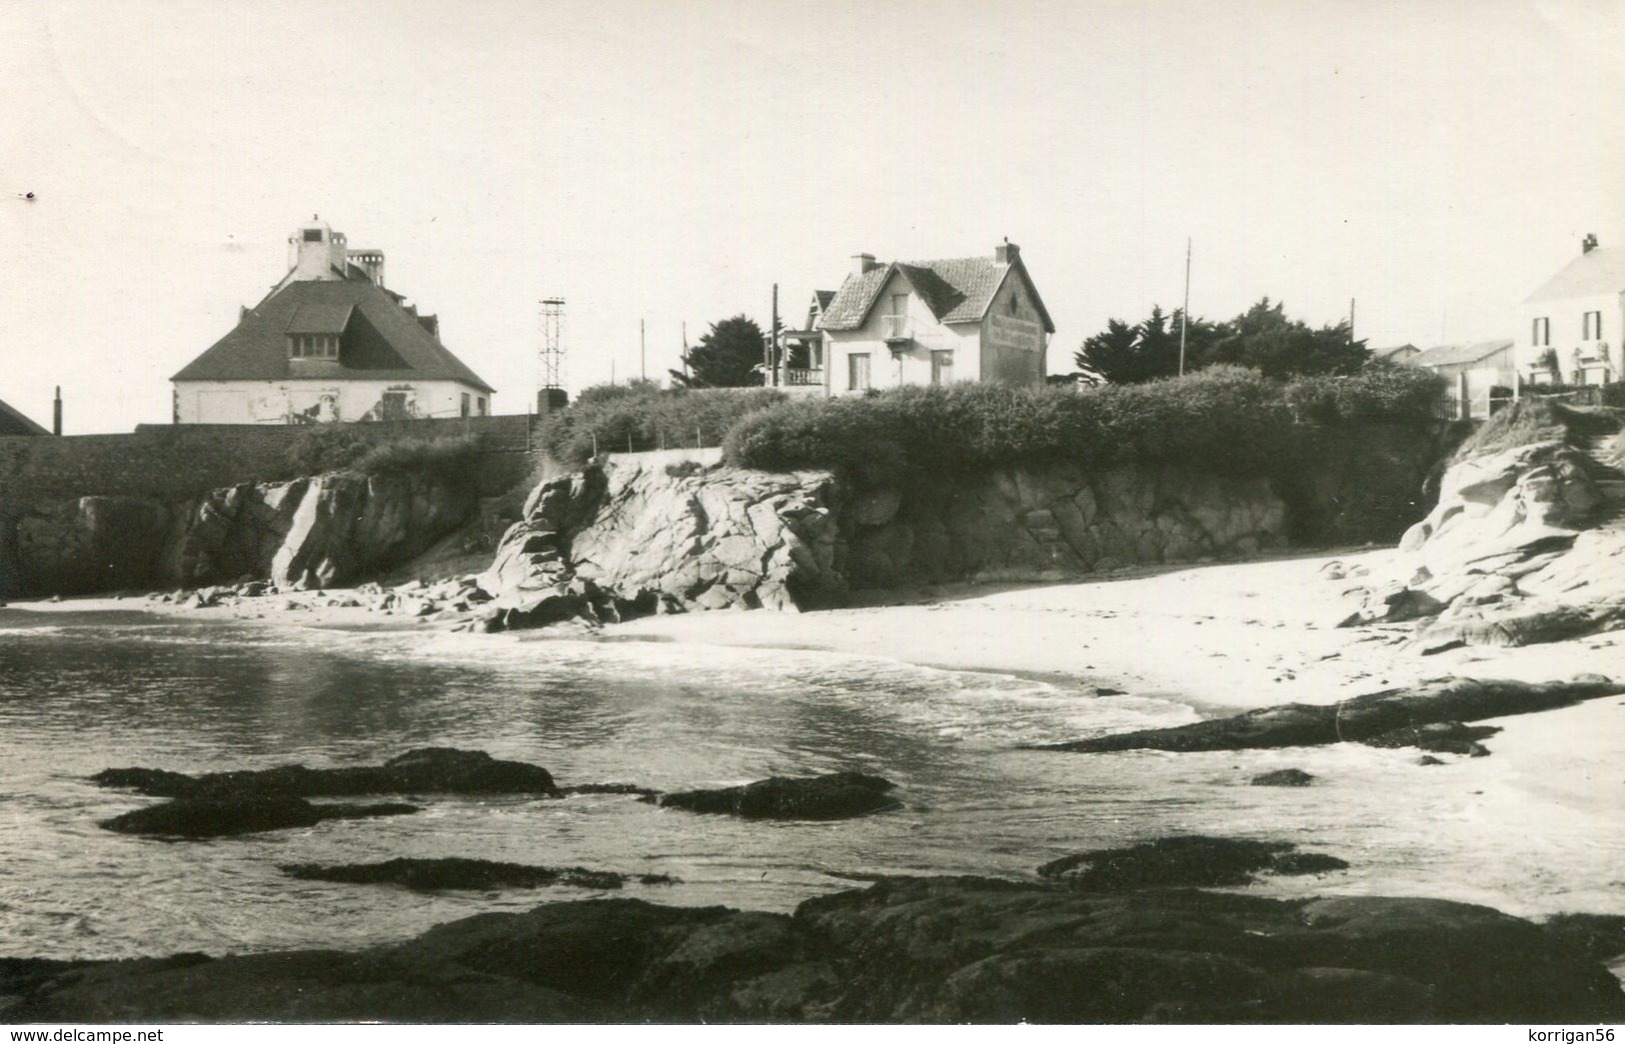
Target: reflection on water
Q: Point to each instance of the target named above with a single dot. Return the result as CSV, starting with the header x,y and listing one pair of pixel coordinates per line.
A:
x,y
80,693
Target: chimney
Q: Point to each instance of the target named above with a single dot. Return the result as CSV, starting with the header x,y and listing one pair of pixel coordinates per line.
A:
x,y
862,263
1006,252
56,412
311,249
1589,243
370,262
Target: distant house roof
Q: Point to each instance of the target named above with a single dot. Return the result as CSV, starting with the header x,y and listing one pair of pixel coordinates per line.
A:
x,y
391,343
1457,354
957,290
1598,271
14,423
1396,353
824,297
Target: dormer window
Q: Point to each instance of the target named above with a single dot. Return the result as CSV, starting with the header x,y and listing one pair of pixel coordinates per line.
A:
x,y
313,346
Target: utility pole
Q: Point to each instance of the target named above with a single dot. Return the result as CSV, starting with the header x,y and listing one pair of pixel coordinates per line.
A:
x,y
1185,312
643,355
773,341
685,351
1351,320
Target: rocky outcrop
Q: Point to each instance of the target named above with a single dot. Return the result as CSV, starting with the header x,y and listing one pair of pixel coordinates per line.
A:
x,y
934,950
1526,545
1388,718
429,770
195,818
311,532
631,537
1055,522
839,795
1185,862
455,873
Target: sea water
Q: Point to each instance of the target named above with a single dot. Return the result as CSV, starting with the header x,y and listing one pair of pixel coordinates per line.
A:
x,y
80,692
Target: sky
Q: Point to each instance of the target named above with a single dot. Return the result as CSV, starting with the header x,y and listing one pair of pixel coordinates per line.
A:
x,y
669,161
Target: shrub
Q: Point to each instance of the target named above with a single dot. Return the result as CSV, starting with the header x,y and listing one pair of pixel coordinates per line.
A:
x,y
1534,419
1221,418
646,418
324,448
451,459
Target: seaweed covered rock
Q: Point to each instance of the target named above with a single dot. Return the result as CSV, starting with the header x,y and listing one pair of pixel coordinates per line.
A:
x,y
839,795
1184,862
221,817
1360,718
451,872
429,770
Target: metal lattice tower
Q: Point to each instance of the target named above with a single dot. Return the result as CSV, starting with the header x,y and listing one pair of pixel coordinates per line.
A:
x,y
552,356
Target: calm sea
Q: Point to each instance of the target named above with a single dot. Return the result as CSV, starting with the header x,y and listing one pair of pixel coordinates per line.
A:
x,y
82,692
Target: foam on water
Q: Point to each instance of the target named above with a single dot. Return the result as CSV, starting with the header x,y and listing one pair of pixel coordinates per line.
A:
x,y
83,695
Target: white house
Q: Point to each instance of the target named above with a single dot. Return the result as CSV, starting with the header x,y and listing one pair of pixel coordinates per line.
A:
x,y
1572,326
328,343
935,322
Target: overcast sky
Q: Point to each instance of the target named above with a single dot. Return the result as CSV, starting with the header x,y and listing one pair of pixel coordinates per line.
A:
x,y
671,160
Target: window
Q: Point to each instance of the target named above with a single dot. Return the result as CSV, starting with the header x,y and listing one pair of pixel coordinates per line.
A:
x,y
942,367
1591,323
857,372
313,235
1542,334
464,411
313,346
481,406
1015,303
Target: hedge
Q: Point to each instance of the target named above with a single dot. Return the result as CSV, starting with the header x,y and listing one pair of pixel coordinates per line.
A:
x,y
646,418
1223,418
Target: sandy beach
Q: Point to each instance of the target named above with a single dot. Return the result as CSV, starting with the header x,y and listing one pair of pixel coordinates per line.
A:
x,y
1221,637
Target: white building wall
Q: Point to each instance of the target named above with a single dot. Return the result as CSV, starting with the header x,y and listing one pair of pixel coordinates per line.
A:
x,y
277,402
912,364
1566,318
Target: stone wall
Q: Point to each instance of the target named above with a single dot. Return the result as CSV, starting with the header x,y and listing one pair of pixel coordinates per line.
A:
x,y
185,459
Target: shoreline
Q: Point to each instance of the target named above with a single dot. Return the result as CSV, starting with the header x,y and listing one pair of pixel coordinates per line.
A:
x,y
1217,636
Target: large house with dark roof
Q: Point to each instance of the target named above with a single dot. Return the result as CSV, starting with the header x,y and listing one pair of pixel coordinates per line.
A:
x,y
1573,326
935,322
328,343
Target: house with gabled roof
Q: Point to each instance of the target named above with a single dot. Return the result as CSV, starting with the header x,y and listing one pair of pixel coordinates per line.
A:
x,y
1479,374
802,357
1573,326
935,322
329,343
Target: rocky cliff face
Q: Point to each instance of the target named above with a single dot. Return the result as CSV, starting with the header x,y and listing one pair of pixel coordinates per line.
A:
x,y
1526,545
314,532
631,536
636,537
1056,522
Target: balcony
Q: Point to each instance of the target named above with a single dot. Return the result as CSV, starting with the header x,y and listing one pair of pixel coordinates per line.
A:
x,y
896,330
803,378
1591,351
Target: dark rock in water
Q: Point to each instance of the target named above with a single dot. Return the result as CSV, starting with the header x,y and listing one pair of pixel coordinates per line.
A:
x,y
1289,777
1441,737
220,817
1356,719
431,874
1601,936
839,795
431,770
608,788
906,950
1184,862
1428,759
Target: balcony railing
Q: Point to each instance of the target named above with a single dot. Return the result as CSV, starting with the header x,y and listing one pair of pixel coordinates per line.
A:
x,y
896,329
1592,351
803,378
